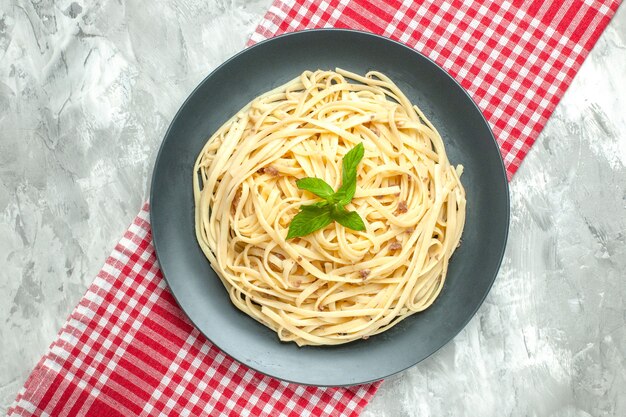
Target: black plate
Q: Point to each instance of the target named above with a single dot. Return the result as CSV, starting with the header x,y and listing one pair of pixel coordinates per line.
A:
x,y
468,140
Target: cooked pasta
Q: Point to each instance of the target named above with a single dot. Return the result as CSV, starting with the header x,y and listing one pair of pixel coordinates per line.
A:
x,y
335,285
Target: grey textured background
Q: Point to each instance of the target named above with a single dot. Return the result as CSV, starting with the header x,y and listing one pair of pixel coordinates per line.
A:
x,y
87,89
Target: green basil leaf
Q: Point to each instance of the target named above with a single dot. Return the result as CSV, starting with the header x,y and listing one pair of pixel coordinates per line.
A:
x,y
310,219
316,216
317,186
349,219
350,162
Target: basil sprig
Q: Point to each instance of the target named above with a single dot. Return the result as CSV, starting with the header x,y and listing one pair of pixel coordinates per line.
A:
x,y
319,215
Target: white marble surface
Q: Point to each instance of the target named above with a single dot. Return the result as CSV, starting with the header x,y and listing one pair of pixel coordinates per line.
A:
x,y
87,89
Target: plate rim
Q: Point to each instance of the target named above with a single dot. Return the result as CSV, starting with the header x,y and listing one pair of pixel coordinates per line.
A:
x,y
502,167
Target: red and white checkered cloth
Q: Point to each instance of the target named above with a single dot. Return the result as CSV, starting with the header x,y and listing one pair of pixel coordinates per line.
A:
x,y
128,350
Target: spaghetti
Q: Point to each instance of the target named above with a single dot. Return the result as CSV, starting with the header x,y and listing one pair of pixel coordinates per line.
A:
x,y
335,285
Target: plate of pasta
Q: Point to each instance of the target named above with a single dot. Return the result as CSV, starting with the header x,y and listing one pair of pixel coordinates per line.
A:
x,y
329,207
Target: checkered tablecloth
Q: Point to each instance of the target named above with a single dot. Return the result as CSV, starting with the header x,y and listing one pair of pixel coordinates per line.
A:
x,y
128,350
